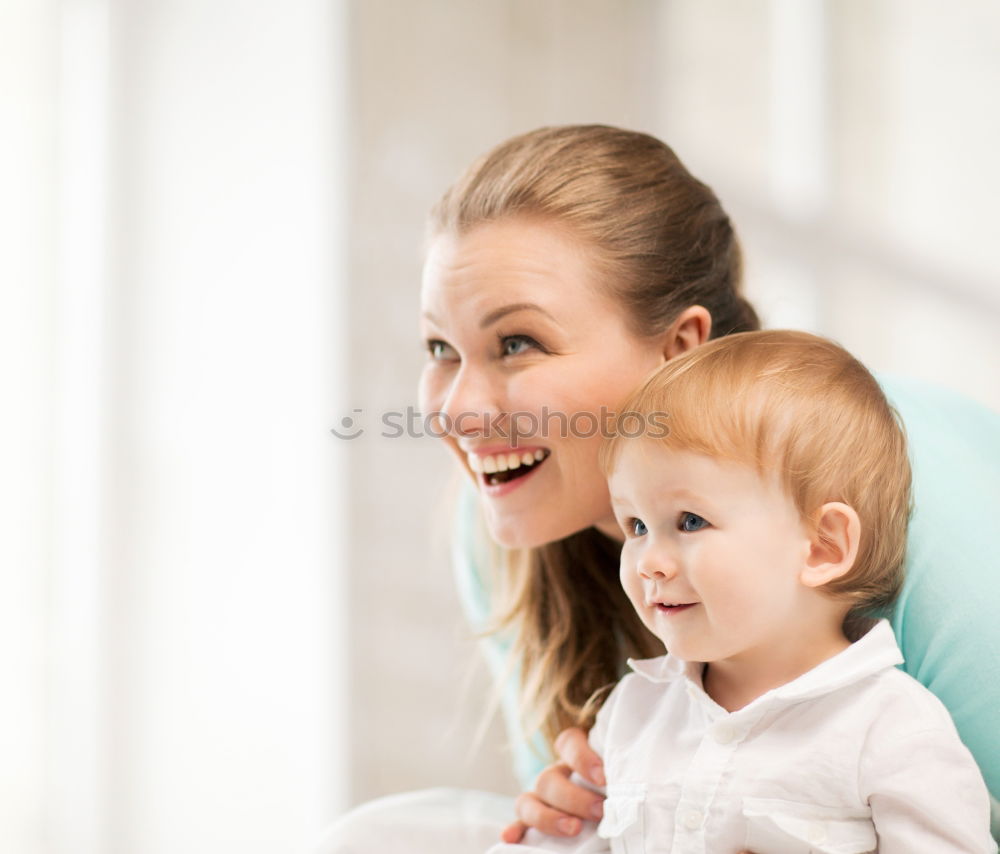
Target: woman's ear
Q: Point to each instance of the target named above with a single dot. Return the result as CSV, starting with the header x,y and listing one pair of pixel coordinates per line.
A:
x,y
691,328
833,546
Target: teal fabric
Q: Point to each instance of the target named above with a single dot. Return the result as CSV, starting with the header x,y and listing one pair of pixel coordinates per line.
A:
x,y
947,621
469,559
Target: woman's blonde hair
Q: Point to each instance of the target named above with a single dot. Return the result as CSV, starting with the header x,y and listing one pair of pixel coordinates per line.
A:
x,y
799,407
660,242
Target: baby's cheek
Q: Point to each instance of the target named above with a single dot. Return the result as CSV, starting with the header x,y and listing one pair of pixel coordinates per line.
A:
x,y
629,577
650,623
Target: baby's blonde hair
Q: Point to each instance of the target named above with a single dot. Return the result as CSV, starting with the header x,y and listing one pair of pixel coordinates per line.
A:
x,y
802,408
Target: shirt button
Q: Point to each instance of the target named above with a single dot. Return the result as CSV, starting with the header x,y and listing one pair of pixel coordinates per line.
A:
x,y
816,833
724,732
692,819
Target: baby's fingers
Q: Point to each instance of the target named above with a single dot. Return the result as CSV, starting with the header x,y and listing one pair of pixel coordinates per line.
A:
x,y
534,812
513,832
575,751
555,789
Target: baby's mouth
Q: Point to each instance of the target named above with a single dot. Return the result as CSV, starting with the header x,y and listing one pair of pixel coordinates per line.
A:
x,y
503,467
674,607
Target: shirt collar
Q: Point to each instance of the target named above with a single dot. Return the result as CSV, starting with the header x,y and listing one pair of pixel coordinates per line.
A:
x,y
874,652
666,668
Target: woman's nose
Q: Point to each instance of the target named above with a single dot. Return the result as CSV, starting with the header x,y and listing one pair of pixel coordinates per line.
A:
x,y
470,407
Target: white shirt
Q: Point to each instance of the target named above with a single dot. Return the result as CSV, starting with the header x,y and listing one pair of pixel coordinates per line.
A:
x,y
853,756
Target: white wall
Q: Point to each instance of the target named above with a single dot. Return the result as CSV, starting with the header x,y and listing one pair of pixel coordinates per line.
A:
x,y
173,507
852,142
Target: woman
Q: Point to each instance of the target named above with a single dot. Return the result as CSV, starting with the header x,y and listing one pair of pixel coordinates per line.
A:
x,y
562,268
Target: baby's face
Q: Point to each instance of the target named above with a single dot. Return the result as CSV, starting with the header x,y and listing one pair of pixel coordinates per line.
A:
x,y
712,555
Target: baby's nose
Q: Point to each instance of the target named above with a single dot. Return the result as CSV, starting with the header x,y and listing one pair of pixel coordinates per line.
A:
x,y
657,565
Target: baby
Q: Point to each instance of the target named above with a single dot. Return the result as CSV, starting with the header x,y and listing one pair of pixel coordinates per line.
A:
x,y
761,535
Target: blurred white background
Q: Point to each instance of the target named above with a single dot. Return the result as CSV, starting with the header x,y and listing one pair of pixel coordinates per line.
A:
x,y
219,625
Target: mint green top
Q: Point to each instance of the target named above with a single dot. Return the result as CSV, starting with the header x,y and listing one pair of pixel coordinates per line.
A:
x,y
947,620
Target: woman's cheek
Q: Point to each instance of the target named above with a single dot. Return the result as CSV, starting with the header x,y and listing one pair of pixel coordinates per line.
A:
x,y
428,391
584,473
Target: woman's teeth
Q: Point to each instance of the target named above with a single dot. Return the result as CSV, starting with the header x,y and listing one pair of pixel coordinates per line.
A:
x,y
495,463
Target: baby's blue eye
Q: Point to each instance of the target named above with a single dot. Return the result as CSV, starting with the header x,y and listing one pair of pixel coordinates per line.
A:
x,y
638,527
691,522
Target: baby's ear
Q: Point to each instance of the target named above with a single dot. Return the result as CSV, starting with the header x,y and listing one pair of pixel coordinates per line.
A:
x,y
833,546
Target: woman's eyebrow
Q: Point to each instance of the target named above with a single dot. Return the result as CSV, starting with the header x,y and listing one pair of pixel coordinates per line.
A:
x,y
503,311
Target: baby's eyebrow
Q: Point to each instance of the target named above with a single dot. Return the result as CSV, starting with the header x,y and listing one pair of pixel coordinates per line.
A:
x,y
687,494
680,494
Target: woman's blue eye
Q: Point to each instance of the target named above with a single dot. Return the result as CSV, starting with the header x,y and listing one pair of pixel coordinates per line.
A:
x,y
514,345
439,350
690,522
638,527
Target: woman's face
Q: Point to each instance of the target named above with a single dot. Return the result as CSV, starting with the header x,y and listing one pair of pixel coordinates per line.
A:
x,y
527,355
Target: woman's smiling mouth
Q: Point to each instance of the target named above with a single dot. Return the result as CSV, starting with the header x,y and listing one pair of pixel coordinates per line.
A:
x,y
506,465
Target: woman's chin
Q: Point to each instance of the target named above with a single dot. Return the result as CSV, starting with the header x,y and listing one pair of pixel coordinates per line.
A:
x,y
521,534
516,540
529,520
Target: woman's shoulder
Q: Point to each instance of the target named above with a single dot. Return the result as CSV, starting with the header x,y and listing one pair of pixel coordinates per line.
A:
x,y
954,445
945,419
945,619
